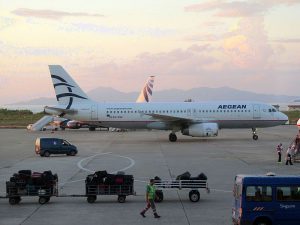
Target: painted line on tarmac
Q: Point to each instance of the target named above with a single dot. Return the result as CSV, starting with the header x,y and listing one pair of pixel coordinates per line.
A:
x,y
132,163
90,157
142,181
218,190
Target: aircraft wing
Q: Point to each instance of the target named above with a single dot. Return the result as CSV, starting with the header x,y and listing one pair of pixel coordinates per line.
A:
x,y
170,118
176,119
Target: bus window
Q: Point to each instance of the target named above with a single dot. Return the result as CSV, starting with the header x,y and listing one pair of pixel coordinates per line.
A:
x,y
259,193
289,193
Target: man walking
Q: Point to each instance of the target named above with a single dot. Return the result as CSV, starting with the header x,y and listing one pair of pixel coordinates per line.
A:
x,y
150,196
279,152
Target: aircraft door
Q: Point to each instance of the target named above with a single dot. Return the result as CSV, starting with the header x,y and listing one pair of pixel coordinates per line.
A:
x,y
256,111
94,112
189,112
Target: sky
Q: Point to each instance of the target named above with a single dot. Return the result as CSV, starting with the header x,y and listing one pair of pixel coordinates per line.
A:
x,y
248,45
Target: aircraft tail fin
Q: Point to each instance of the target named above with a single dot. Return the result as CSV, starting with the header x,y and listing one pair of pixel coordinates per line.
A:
x,y
146,92
66,89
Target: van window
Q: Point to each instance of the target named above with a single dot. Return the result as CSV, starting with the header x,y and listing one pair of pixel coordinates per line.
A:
x,y
288,193
259,193
66,142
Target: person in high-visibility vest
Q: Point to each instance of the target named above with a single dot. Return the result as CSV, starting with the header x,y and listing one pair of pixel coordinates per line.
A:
x,y
150,197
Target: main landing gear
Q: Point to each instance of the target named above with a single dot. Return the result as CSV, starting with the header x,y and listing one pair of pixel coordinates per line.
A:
x,y
255,136
172,137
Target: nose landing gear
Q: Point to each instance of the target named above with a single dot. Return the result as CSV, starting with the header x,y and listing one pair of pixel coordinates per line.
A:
x,y
255,136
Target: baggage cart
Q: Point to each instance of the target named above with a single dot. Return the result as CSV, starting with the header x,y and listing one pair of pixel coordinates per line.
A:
x,y
193,185
15,191
92,191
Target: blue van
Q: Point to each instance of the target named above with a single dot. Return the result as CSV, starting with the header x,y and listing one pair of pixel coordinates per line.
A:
x,y
266,200
47,146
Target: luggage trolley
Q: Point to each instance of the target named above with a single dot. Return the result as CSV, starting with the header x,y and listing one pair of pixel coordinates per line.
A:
x,y
193,185
102,183
120,190
19,188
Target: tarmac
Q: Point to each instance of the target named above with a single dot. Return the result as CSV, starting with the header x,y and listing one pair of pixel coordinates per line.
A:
x,y
144,154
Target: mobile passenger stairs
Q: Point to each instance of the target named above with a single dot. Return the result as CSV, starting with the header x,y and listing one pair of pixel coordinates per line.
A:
x,y
295,148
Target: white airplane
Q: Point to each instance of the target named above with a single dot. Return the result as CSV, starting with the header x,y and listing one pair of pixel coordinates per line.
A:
x,y
144,96
196,119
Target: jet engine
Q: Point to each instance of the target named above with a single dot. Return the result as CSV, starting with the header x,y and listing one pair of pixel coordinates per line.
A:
x,y
73,124
201,130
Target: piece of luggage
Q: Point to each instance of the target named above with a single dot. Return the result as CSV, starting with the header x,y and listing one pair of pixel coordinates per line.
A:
x,y
202,176
184,176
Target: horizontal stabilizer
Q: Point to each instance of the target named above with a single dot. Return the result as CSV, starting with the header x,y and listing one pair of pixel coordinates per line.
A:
x,y
58,111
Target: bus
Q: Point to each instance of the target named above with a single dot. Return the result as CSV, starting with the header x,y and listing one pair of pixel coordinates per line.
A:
x,y
266,200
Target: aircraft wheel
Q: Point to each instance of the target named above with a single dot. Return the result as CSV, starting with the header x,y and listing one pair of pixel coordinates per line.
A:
x,y
172,137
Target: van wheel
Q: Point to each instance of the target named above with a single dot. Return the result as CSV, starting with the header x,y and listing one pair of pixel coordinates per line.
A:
x,y
72,153
46,154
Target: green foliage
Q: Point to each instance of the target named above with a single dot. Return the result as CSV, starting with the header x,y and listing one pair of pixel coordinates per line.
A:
x,y
18,117
293,116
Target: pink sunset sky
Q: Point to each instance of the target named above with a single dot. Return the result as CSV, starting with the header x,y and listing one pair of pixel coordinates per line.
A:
x,y
248,45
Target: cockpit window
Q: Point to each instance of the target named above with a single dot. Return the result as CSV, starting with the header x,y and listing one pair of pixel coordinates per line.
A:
x,y
273,110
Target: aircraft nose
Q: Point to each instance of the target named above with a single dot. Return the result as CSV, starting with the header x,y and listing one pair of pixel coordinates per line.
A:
x,y
284,117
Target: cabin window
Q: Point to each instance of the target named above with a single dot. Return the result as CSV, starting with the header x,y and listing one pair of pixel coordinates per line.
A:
x,y
288,193
259,193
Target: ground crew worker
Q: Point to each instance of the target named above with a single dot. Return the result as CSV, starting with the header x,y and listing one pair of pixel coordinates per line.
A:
x,y
279,152
150,196
288,156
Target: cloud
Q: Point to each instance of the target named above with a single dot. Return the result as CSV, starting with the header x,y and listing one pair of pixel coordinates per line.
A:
x,y
116,30
6,22
175,66
3,81
15,50
248,46
51,14
238,8
287,40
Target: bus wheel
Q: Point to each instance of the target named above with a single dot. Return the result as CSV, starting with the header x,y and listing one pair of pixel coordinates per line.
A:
x,y
263,222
